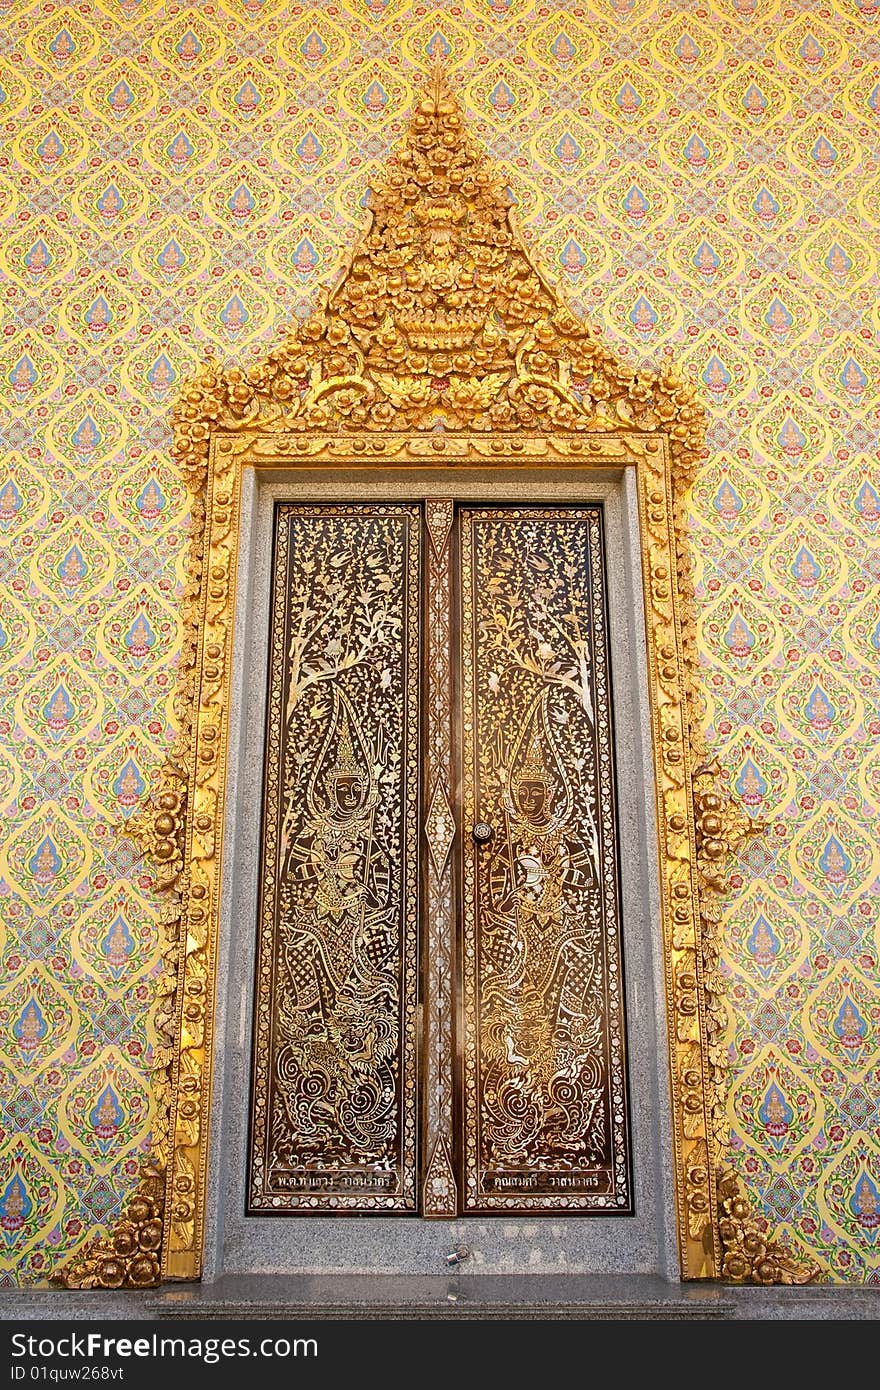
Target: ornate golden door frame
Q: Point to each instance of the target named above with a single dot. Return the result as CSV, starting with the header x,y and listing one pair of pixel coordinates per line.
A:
x,y
603,481
440,344
543,467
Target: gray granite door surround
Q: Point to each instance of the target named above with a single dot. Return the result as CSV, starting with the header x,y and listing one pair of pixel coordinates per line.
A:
x,y
327,1244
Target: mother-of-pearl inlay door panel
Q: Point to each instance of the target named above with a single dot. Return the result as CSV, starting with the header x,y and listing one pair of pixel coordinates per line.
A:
x,y
444,1036
544,1076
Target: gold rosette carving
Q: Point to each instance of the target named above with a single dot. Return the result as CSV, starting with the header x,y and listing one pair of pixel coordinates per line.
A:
x,y
751,1256
127,1258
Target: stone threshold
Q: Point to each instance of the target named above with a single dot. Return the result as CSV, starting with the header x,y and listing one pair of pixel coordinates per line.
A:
x,y
459,1296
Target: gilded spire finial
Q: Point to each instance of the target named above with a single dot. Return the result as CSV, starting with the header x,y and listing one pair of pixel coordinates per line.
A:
x,y
533,768
346,764
438,73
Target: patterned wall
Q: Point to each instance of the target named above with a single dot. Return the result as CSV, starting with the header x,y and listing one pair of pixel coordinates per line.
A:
x,y
175,178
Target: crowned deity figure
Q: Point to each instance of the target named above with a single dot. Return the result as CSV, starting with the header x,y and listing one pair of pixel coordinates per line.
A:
x,y
336,1011
540,944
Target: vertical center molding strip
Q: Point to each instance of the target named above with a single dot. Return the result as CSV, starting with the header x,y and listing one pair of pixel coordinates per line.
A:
x,y
439,1187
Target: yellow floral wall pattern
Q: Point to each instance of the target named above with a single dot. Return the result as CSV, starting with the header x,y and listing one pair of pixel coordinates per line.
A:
x,y
180,179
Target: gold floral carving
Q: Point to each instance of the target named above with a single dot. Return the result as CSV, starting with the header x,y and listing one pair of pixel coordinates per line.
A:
x,y
750,1255
439,344
127,1258
720,827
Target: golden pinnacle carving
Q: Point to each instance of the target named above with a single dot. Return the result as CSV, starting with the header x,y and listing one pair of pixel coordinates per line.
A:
x,y
750,1255
440,319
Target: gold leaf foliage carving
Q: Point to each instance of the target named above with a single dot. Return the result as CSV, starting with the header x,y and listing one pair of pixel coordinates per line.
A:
x,y
720,827
751,1256
127,1258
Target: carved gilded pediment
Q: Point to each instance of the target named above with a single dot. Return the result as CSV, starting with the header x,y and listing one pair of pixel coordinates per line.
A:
x,y
439,321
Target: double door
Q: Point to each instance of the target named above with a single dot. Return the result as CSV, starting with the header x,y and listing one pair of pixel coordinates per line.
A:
x,y
438,1008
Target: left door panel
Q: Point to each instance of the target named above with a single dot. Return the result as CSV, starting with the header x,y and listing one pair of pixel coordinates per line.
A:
x,y
334,1090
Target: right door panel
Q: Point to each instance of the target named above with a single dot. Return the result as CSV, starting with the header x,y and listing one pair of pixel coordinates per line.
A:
x,y
544,1113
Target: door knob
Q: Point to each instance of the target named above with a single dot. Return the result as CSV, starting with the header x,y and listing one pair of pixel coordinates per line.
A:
x,y
482,832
